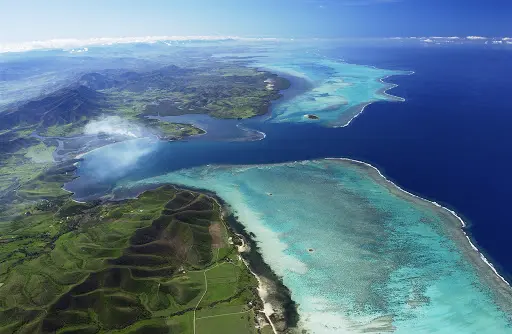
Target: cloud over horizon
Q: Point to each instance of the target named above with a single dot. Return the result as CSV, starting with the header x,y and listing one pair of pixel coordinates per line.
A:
x,y
74,45
70,43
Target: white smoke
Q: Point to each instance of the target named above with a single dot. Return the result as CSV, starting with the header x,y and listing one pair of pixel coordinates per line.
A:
x,y
114,125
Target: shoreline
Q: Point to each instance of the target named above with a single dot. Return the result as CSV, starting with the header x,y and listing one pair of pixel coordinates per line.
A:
x,y
284,316
497,286
448,211
502,289
374,171
281,295
383,92
308,85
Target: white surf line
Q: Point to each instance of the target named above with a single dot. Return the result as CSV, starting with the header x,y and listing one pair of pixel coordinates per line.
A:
x,y
463,224
384,92
246,129
393,85
221,315
260,289
355,116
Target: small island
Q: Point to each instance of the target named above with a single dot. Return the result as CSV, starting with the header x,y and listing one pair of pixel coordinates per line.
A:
x,y
311,116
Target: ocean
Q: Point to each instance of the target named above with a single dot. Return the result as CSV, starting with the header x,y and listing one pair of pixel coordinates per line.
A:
x,y
451,141
443,135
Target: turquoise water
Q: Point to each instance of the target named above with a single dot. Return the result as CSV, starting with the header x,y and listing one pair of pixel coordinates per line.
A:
x,y
340,90
381,259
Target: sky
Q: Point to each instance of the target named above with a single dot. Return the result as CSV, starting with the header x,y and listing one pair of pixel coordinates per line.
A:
x,y
29,20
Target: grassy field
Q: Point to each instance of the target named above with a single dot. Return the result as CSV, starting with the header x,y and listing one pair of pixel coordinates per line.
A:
x,y
40,153
65,130
233,323
27,163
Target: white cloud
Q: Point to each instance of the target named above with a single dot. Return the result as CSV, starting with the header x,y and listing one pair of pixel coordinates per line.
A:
x,y
70,43
454,39
79,50
114,125
445,38
82,45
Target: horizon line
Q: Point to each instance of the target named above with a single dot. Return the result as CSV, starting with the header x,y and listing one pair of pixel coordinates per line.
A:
x,y
70,43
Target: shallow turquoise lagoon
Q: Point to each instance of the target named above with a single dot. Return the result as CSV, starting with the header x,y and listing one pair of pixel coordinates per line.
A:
x,y
358,254
340,90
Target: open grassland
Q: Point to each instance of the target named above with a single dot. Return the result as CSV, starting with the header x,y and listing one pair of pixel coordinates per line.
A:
x,y
149,265
40,153
233,323
65,130
24,164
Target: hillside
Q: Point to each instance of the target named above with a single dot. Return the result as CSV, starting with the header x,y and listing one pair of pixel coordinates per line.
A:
x,y
64,106
156,264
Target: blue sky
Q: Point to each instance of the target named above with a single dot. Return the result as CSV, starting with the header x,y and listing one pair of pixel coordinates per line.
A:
x,y
26,20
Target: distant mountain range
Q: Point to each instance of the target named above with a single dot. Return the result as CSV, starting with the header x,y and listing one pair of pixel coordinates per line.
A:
x,y
64,106
219,90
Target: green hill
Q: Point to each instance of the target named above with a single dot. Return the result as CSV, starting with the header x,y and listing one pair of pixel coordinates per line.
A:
x,y
156,264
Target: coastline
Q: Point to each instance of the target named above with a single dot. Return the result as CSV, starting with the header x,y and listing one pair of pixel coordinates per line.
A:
x,y
280,296
283,316
457,228
361,107
352,112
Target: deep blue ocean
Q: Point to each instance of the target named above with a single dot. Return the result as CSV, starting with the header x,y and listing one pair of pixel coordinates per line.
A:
x,y
449,142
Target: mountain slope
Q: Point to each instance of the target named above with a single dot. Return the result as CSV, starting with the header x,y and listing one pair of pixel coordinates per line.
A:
x,y
64,106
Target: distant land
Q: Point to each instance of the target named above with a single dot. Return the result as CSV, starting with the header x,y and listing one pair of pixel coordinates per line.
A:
x,y
126,266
